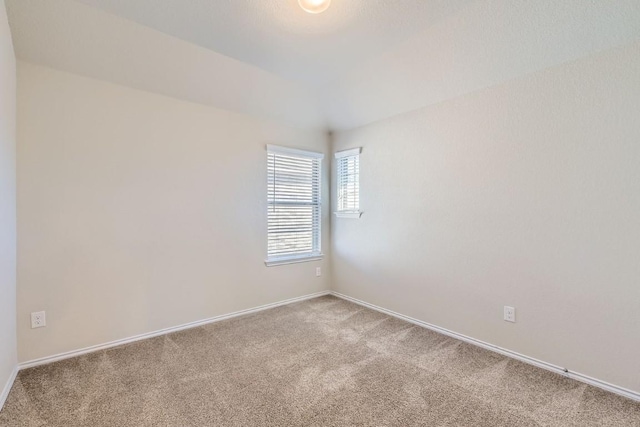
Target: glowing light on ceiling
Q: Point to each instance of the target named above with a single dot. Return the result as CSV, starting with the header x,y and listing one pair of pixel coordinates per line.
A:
x,y
314,6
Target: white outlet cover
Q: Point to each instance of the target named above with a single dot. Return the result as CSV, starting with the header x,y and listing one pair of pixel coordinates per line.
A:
x,y
318,272
38,319
509,314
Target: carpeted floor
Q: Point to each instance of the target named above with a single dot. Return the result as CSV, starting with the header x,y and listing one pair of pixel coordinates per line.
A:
x,y
322,362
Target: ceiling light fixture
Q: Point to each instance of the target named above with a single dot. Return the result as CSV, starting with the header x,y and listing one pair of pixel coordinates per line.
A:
x,y
314,6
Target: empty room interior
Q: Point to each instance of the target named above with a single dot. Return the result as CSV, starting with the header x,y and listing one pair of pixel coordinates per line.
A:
x,y
319,213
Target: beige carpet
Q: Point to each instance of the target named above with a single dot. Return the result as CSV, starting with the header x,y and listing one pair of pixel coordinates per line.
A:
x,y
323,362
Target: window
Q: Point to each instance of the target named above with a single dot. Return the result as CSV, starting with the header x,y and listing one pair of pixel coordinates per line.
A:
x,y
348,168
294,205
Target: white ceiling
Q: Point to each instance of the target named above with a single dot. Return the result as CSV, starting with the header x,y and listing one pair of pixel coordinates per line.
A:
x,y
360,61
484,44
278,36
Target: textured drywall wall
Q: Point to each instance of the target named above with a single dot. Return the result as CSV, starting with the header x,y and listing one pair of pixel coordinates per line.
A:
x,y
8,353
524,194
140,212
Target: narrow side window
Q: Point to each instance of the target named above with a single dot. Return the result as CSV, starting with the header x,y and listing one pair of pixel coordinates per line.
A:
x,y
348,188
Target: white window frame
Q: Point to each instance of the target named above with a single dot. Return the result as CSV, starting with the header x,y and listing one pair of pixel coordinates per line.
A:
x,y
342,156
316,202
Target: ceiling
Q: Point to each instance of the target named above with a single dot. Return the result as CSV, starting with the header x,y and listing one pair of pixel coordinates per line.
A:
x,y
278,36
360,61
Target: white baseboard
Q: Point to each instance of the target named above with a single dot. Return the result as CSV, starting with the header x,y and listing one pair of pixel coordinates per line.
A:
x,y
94,348
7,387
630,394
526,359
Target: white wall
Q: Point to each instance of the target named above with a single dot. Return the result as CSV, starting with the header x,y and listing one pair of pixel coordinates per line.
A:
x,y
140,212
8,358
523,194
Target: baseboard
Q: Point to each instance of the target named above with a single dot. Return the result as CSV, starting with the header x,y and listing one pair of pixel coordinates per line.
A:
x,y
94,348
630,394
7,387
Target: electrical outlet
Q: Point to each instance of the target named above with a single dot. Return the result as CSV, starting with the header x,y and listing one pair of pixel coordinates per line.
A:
x,y
318,272
38,320
509,314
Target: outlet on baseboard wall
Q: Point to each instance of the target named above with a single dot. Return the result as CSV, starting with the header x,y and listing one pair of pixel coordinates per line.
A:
x,y
38,319
318,271
509,314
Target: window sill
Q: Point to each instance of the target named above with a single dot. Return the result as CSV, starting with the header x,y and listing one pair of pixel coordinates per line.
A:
x,y
352,215
292,260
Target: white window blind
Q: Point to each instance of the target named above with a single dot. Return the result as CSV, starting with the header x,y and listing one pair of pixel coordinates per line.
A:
x,y
348,169
294,204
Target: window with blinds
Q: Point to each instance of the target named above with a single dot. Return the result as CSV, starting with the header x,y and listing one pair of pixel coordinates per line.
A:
x,y
294,204
348,188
